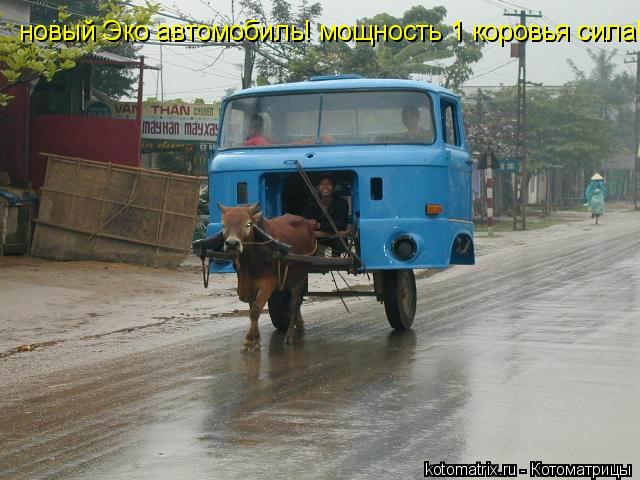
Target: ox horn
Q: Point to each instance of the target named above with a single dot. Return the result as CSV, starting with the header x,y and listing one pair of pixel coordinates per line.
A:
x,y
223,208
255,208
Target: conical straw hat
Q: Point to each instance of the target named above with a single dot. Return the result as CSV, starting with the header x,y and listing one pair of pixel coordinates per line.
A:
x,y
597,176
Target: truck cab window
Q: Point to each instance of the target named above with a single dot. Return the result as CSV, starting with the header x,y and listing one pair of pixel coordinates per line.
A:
x,y
450,124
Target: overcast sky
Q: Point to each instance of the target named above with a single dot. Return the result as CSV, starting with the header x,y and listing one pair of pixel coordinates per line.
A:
x,y
208,72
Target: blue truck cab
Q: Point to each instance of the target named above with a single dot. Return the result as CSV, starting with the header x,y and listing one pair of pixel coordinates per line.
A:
x,y
397,149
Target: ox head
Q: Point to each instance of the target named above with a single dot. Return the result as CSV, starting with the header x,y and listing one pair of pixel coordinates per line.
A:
x,y
237,226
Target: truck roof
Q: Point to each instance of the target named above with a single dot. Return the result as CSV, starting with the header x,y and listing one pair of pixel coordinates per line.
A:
x,y
342,82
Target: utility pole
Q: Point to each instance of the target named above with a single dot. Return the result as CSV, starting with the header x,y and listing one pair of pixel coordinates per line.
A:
x,y
521,125
249,59
482,171
139,108
489,180
161,76
636,152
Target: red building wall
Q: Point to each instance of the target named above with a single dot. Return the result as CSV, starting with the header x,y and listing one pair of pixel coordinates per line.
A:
x,y
100,139
14,133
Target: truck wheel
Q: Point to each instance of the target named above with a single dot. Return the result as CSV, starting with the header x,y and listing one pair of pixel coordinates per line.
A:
x,y
279,310
399,294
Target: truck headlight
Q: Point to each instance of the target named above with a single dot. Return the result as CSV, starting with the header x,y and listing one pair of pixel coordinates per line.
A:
x,y
404,247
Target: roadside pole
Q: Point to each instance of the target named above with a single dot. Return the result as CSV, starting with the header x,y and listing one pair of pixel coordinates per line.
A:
x,y
139,109
489,174
521,126
636,54
249,58
637,149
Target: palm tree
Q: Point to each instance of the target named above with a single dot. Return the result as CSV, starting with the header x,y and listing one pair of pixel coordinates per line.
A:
x,y
603,66
600,80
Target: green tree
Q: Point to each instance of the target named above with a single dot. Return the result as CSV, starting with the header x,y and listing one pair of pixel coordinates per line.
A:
x,y
603,66
613,92
401,59
564,127
26,61
387,59
176,161
273,61
113,82
567,128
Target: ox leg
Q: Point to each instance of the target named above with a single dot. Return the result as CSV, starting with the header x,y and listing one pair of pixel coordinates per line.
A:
x,y
295,325
252,340
299,323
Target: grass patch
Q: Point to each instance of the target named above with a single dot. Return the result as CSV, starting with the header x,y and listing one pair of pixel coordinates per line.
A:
x,y
533,223
580,209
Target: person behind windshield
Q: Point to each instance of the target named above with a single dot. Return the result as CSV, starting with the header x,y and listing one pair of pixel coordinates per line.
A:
x,y
255,137
411,120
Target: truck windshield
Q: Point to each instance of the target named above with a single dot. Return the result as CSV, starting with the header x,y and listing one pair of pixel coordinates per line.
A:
x,y
346,118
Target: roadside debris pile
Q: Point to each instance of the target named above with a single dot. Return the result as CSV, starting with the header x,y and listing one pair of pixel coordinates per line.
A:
x,y
106,212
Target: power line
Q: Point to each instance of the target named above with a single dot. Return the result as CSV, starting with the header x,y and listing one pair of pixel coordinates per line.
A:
x,y
195,69
491,66
221,60
492,70
215,60
514,5
580,44
547,20
190,60
488,20
492,52
493,4
503,81
204,89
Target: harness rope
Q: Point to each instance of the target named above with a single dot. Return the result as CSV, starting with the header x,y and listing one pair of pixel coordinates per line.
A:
x,y
281,279
258,243
312,252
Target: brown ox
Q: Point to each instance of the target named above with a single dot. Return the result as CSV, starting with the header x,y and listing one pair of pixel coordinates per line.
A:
x,y
259,273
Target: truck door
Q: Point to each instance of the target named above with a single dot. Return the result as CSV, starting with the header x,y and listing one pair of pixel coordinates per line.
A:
x,y
460,165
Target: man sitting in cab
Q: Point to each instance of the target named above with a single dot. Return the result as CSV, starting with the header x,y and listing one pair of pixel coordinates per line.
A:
x,y
336,206
411,120
255,137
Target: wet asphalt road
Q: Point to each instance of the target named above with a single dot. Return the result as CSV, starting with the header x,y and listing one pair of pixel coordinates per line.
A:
x,y
533,354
